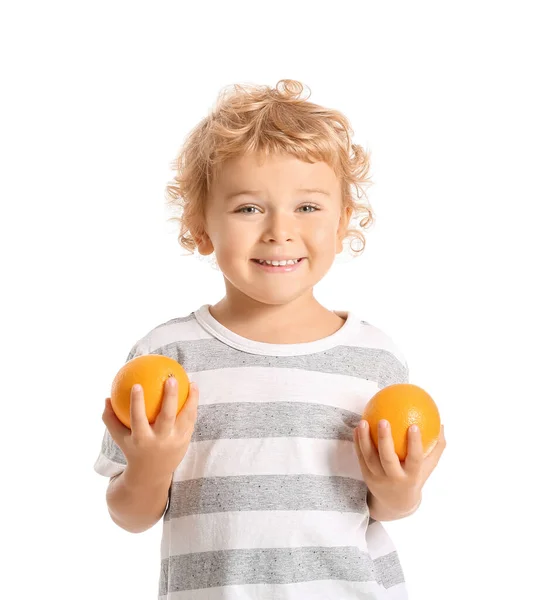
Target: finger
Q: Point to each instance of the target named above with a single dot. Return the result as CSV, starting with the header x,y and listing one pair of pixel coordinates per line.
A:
x,y
187,417
137,415
414,459
115,427
166,418
367,449
388,457
437,450
431,460
362,464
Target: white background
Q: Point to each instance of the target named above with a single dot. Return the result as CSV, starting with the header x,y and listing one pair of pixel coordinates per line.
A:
x,y
456,102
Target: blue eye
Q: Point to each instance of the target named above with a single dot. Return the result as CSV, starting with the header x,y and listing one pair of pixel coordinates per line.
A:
x,y
243,210
312,206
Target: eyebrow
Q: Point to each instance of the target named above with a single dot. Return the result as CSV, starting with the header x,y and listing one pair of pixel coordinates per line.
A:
x,y
258,192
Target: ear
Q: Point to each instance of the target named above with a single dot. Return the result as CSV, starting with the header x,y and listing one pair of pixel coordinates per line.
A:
x,y
343,226
204,244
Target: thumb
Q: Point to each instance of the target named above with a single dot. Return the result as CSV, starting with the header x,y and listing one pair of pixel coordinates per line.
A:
x,y
433,457
115,427
188,414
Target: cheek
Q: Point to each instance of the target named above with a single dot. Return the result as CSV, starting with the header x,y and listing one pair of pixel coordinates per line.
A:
x,y
233,242
323,233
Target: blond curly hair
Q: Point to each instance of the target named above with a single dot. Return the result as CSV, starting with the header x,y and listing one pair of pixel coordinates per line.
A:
x,y
255,118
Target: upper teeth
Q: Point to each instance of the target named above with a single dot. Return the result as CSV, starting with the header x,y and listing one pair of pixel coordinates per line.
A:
x,y
278,263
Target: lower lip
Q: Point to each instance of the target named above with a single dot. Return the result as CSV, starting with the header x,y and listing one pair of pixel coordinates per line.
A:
x,y
284,269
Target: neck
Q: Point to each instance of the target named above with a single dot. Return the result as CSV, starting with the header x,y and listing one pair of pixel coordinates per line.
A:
x,y
299,321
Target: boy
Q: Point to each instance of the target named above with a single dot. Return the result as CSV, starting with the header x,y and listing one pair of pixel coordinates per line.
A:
x,y
267,486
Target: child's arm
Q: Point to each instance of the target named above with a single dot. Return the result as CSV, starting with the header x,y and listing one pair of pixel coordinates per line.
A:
x,y
138,496
381,512
136,502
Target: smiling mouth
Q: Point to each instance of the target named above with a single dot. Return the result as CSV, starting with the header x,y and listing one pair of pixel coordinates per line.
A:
x,y
277,263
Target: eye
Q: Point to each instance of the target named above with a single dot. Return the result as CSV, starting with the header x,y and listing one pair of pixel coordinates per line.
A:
x,y
312,208
246,210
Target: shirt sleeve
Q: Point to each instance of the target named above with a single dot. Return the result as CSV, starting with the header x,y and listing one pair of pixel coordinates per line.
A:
x,y
111,460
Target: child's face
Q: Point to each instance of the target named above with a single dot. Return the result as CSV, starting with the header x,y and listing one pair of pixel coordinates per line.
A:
x,y
277,222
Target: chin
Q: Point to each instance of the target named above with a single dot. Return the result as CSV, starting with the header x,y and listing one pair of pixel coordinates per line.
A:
x,y
273,299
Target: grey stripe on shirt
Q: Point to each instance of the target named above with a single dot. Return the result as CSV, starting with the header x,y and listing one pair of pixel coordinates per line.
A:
x,y
266,492
276,566
250,420
373,364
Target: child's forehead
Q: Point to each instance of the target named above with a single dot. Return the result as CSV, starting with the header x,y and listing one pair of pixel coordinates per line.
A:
x,y
252,170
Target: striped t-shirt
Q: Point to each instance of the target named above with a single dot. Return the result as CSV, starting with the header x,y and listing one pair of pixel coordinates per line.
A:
x,y
269,502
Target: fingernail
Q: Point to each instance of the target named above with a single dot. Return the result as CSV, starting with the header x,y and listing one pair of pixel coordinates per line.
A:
x,y
414,429
171,382
362,424
136,388
194,386
383,424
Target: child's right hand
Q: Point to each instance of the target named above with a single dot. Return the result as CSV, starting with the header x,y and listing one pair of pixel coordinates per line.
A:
x,y
155,451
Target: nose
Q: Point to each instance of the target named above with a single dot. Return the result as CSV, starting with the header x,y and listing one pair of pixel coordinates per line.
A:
x,y
279,228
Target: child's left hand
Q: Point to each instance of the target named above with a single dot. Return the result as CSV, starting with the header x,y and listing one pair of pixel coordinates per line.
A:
x,y
395,486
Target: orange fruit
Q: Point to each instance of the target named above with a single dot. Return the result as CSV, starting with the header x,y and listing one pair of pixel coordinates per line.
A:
x,y
150,371
403,405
